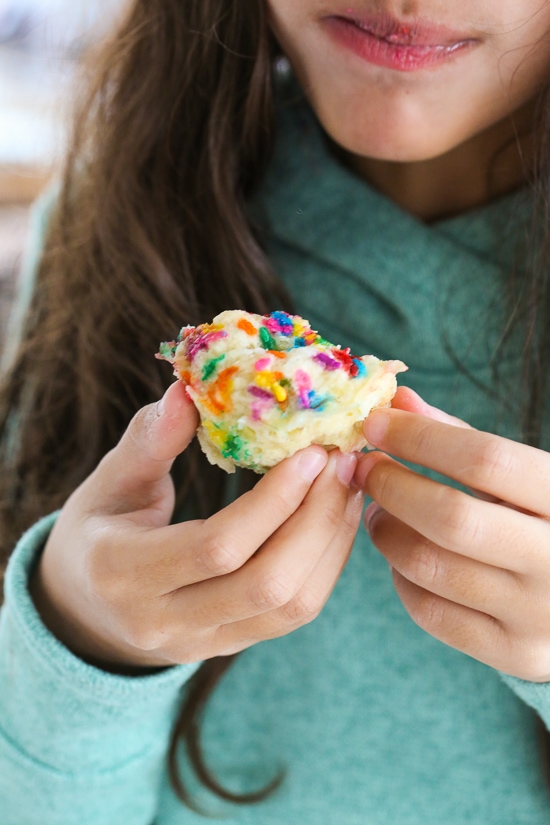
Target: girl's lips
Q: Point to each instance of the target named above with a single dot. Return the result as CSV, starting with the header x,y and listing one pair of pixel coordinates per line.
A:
x,y
385,41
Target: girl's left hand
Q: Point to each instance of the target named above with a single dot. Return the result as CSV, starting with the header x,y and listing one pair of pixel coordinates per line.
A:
x,y
473,570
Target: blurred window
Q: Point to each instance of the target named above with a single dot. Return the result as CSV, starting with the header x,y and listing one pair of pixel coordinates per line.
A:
x,y
40,44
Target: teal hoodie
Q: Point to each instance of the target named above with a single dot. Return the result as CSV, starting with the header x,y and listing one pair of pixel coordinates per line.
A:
x,y
373,721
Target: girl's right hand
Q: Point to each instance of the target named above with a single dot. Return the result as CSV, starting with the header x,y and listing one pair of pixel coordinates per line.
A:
x,y
123,588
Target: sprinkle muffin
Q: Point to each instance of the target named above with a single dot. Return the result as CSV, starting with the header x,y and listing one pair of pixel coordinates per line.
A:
x,y
266,386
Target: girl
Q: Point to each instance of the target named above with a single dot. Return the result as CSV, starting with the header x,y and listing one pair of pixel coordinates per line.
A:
x,y
392,187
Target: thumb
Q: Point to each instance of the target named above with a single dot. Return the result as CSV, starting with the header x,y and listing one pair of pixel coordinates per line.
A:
x,y
155,436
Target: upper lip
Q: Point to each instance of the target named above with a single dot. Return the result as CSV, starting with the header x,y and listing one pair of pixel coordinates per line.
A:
x,y
414,32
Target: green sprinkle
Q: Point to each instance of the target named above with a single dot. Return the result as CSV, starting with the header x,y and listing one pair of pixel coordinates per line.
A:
x,y
211,366
167,349
267,340
233,447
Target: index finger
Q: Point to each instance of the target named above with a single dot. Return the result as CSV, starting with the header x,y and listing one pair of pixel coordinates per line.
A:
x,y
189,552
510,471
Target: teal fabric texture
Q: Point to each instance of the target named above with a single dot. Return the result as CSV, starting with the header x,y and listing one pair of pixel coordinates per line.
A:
x,y
372,721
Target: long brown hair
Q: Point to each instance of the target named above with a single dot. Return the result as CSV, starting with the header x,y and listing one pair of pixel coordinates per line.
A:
x,y
150,231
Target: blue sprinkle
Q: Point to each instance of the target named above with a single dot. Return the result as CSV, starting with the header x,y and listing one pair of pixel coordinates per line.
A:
x,y
285,322
317,402
362,370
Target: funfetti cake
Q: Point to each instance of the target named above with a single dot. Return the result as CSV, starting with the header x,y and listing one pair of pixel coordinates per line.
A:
x,y
266,386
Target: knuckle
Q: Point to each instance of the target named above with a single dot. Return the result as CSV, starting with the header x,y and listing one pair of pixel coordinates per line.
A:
x,y
462,526
271,592
429,613
219,556
424,438
424,566
303,608
494,458
280,506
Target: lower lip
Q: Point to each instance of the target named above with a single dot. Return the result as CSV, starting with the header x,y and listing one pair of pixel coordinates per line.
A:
x,y
380,52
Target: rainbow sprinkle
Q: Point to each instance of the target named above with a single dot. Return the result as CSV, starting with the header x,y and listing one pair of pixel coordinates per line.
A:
x,y
276,334
210,367
247,372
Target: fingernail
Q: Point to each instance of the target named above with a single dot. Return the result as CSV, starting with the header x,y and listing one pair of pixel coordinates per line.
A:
x,y
345,467
171,401
375,426
370,513
311,463
364,466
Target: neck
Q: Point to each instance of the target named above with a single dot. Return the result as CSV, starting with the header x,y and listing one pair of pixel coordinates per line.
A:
x,y
489,165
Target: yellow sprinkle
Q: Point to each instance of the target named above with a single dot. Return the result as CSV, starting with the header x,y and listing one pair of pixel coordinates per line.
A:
x,y
279,392
264,380
217,435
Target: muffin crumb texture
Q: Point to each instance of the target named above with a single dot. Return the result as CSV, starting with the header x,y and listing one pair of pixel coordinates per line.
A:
x,y
266,386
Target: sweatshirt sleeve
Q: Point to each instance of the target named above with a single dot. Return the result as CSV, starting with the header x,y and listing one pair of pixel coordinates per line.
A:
x,y
77,745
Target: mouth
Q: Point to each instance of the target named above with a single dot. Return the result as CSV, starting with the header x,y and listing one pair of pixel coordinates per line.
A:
x,y
388,42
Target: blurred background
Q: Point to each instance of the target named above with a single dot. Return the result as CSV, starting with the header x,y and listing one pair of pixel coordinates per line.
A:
x,y
42,43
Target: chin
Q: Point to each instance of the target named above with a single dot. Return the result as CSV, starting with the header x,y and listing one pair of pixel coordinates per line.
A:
x,y
386,147
386,141
396,128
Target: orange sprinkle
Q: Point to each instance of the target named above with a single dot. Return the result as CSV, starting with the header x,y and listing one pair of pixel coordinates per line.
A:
x,y
247,327
185,376
219,395
212,404
277,353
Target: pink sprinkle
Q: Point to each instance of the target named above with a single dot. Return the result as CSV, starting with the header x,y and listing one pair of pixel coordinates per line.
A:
x,y
302,380
303,385
327,362
262,364
257,408
273,325
203,341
